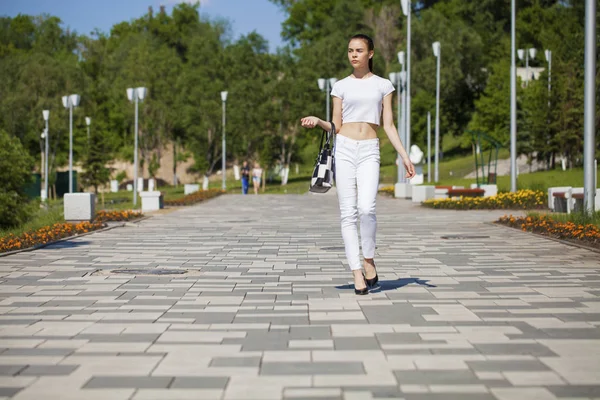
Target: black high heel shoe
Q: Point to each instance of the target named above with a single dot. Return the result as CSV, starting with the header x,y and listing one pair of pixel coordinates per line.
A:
x,y
373,281
362,292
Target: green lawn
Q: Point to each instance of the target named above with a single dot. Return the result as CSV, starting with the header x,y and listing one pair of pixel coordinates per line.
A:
x,y
540,180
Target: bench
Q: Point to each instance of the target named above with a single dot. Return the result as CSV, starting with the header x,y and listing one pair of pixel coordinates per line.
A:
x,y
466,192
570,199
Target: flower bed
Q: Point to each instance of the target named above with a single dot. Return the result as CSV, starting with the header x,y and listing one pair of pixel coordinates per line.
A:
x,y
126,215
46,235
194,198
521,200
62,230
388,191
588,234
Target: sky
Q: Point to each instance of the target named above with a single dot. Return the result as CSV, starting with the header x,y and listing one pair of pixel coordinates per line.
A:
x,y
85,15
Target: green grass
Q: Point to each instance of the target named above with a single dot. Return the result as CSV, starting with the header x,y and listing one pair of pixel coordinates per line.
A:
x,y
449,170
540,180
579,218
41,217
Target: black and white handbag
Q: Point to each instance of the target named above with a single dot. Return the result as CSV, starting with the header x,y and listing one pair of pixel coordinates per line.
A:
x,y
323,173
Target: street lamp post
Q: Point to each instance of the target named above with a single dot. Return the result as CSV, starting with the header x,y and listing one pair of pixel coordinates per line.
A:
x,y
429,147
548,54
223,159
136,95
406,9
589,170
46,114
513,102
397,79
437,52
325,84
70,102
88,121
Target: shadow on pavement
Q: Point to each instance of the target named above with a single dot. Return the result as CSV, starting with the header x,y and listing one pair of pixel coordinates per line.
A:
x,y
66,245
392,285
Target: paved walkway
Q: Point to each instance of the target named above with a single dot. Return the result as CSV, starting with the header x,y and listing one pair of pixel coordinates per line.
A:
x,y
266,310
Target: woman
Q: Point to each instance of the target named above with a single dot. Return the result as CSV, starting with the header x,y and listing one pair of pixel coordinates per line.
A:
x,y
358,101
256,176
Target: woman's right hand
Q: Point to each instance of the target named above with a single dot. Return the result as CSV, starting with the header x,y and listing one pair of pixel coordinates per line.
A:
x,y
309,122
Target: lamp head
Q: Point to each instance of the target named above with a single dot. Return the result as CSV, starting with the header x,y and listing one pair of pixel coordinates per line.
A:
x,y
521,54
65,100
403,77
130,94
74,99
401,57
332,81
405,6
141,93
224,96
43,135
532,53
436,49
321,83
548,54
88,121
393,77
46,114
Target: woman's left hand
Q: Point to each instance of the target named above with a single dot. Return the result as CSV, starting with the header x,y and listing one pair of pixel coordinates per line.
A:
x,y
409,168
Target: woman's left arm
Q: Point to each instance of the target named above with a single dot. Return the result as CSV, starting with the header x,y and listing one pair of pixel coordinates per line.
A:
x,y
390,128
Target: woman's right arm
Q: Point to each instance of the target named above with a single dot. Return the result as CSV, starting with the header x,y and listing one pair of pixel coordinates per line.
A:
x,y
311,122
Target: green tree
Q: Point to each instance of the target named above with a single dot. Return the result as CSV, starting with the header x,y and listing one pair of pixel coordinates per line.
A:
x,y
15,172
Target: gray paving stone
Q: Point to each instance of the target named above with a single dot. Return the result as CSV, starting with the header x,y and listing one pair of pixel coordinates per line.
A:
x,y
436,377
235,362
49,370
9,391
312,368
497,365
361,343
9,370
120,382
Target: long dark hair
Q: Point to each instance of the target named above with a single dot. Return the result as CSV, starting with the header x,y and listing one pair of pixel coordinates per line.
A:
x,y
370,46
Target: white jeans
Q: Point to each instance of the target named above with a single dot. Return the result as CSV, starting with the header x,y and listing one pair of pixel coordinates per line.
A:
x,y
357,180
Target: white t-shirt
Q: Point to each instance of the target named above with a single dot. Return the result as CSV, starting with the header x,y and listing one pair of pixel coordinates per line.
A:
x,y
362,99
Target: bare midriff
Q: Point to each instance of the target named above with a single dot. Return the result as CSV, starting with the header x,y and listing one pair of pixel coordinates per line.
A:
x,y
359,130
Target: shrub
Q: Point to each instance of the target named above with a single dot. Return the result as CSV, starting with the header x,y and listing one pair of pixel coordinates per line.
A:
x,y
15,172
194,198
521,200
127,215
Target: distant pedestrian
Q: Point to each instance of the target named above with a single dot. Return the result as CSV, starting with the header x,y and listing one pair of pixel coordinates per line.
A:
x,y
245,177
257,173
358,103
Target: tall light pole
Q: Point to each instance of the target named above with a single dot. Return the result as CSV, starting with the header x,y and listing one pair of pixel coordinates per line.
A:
x,y
46,114
437,52
589,171
136,95
429,147
531,52
402,120
325,84
548,54
70,102
513,102
397,80
406,9
223,159
88,121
